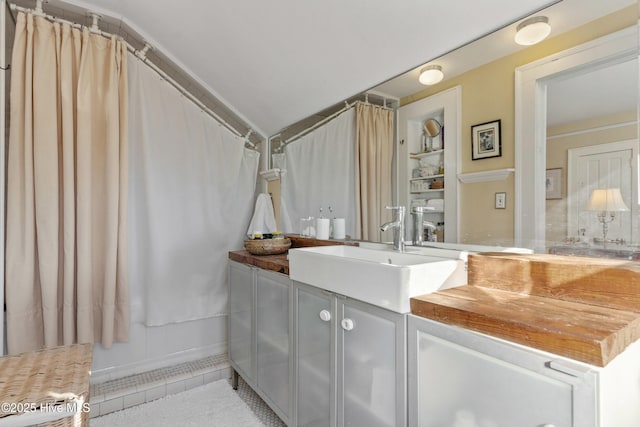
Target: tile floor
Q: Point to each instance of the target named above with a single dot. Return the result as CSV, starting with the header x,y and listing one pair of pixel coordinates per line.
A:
x,y
257,405
121,393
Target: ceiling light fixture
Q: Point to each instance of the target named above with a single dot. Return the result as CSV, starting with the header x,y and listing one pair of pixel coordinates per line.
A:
x,y
431,75
532,30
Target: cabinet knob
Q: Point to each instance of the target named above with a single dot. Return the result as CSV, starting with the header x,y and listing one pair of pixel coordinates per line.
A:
x,y
325,315
547,425
347,324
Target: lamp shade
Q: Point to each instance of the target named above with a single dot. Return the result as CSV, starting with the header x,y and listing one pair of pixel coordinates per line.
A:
x,y
606,200
431,75
532,30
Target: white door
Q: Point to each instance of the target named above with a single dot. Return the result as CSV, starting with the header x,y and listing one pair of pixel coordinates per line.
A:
x,y
612,165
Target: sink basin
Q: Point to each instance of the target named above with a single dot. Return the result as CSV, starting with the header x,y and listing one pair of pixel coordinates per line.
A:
x,y
381,277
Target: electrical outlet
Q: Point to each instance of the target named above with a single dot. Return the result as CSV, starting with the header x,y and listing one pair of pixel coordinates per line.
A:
x,y
501,200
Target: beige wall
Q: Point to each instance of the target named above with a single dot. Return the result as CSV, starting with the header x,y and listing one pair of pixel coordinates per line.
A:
x,y
488,94
489,225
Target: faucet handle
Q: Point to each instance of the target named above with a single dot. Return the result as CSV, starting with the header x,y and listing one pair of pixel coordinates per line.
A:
x,y
398,208
422,209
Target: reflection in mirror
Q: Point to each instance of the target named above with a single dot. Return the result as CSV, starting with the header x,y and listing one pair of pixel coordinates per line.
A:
x,y
431,128
592,138
488,93
610,40
315,160
484,71
339,172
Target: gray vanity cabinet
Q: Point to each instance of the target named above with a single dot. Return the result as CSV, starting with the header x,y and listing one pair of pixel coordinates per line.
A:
x,y
259,338
349,361
316,358
459,377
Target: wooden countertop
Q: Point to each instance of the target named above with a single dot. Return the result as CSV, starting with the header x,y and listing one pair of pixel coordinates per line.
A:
x,y
587,309
280,263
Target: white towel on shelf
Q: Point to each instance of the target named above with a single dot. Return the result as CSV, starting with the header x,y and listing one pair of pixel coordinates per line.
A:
x,y
263,220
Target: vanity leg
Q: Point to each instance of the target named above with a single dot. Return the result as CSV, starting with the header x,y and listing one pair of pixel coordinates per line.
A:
x,y
234,379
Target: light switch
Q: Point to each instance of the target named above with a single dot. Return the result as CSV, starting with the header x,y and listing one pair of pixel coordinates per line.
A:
x,y
501,200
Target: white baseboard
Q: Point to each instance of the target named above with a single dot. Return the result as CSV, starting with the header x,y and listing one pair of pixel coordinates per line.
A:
x,y
111,373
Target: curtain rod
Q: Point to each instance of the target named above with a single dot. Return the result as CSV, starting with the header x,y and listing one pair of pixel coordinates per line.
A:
x,y
141,55
331,117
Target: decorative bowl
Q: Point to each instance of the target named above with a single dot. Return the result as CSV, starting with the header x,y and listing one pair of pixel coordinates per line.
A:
x,y
267,246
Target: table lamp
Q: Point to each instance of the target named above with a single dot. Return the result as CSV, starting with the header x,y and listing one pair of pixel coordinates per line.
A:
x,y
606,201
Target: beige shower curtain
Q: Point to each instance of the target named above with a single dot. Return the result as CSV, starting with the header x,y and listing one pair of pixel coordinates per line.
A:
x,y
66,260
374,155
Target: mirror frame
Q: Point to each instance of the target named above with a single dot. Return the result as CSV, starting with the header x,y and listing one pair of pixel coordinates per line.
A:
x,y
530,124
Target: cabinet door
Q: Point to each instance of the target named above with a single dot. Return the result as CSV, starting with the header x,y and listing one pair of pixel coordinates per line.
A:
x,y
241,320
372,376
315,357
272,301
456,384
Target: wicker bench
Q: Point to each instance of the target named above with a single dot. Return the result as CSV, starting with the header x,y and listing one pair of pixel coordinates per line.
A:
x,y
46,387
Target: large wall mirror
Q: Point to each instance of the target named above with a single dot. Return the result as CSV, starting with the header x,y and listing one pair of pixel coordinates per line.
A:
x,y
583,135
577,113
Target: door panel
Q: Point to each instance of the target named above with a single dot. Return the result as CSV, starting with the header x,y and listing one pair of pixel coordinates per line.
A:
x,y
611,165
459,386
315,362
272,299
241,350
368,381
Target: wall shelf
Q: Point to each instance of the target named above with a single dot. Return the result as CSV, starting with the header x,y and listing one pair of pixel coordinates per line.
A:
x,y
418,156
485,176
423,178
415,190
432,190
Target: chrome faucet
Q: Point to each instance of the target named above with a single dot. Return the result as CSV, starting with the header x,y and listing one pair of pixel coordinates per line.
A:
x,y
419,224
397,223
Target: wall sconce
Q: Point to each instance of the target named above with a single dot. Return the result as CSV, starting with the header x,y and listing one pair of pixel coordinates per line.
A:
x,y
431,74
532,30
606,201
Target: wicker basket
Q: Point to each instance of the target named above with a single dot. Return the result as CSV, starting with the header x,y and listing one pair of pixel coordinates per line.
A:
x,y
47,387
437,184
267,246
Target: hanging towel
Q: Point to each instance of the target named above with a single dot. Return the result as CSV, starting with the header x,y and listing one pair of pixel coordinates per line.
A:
x,y
263,221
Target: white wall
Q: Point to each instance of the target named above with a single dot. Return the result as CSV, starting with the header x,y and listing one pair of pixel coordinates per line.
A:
x,y
158,346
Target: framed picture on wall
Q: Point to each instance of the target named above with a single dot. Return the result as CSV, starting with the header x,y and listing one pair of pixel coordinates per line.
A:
x,y
553,183
485,140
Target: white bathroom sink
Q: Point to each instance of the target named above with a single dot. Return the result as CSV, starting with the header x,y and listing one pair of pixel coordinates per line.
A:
x,y
382,277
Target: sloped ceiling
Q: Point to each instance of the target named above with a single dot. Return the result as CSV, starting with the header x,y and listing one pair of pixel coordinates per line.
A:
x,y
276,62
